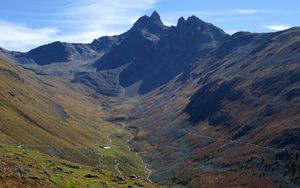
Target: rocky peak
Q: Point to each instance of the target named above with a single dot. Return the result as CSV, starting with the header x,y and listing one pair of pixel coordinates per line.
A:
x,y
155,17
193,26
181,21
105,42
192,23
49,53
152,24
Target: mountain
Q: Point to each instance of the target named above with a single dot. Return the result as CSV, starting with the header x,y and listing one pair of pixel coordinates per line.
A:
x,y
129,64
145,69
206,109
60,52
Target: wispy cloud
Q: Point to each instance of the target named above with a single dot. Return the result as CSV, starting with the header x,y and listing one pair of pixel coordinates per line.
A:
x,y
226,14
79,21
101,12
21,37
103,16
251,11
277,27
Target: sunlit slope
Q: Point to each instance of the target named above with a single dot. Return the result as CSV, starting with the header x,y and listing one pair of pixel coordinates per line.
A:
x,y
40,114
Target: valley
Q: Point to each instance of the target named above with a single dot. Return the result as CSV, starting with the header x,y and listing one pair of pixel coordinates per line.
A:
x,y
46,123
157,106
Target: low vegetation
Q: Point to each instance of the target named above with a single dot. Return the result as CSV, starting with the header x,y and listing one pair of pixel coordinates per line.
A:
x,y
21,167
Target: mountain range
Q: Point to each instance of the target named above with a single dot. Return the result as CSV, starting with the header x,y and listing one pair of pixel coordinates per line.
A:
x,y
204,108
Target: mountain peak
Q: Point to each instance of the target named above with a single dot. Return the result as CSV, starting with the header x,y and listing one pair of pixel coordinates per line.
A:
x,y
195,19
152,23
192,21
181,21
155,15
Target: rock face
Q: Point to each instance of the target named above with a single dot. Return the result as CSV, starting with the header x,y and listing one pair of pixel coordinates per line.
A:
x,y
66,52
59,52
152,54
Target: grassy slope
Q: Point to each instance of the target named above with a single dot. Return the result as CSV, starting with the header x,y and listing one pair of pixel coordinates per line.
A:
x,y
26,168
44,115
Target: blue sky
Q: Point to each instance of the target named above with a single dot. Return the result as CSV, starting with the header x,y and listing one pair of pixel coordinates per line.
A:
x,y
28,24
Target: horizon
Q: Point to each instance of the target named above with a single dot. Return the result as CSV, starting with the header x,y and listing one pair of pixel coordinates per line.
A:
x,y
26,26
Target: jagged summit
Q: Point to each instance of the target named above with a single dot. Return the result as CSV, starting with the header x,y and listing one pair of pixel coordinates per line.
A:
x,y
155,16
180,21
192,22
194,18
198,30
150,23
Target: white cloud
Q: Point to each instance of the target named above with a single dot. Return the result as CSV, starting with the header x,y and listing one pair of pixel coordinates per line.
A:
x,y
80,21
21,37
251,11
277,27
105,17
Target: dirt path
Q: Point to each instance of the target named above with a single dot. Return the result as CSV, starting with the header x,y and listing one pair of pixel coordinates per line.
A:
x,y
110,140
144,164
117,168
138,155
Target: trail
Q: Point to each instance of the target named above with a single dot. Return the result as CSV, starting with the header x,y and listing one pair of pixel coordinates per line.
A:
x,y
138,155
110,140
145,165
117,168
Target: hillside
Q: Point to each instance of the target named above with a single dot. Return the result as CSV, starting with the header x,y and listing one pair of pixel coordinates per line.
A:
x,y
39,114
232,119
